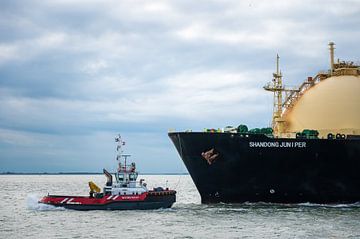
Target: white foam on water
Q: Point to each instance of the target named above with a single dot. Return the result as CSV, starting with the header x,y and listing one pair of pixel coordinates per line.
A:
x,y
32,202
307,204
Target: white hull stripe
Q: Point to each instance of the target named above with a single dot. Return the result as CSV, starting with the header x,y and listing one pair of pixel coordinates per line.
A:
x,y
115,197
63,201
109,197
70,200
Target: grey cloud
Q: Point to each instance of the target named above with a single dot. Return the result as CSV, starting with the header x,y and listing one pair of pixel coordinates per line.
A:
x,y
77,69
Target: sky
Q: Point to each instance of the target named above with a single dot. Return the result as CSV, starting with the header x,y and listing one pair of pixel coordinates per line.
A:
x,y
75,73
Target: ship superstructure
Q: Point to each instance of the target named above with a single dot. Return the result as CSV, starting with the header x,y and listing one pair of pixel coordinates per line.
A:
x,y
125,177
285,98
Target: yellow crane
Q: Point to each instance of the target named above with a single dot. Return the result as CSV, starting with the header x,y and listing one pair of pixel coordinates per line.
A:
x,y
94,188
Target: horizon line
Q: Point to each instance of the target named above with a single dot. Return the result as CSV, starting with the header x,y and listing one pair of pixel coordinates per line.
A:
x,y
83,173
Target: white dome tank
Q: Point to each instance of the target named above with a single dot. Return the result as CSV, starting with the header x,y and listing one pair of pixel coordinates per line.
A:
x,y
330,106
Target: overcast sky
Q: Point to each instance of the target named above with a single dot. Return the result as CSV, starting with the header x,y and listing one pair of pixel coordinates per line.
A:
x,y
74,73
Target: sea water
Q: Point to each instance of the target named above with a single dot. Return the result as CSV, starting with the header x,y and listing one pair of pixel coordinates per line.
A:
x,y
22,217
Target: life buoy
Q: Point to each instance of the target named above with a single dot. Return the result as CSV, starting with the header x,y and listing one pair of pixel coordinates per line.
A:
x,y
330,136
338,136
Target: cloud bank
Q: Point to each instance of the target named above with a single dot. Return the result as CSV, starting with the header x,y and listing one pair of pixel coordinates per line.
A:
x,y
75,73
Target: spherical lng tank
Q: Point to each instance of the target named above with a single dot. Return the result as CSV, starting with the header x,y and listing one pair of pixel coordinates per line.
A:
x,y
330,106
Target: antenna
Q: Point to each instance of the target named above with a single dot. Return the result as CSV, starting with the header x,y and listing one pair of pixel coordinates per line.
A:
x,y
332,48
276,86
120,154
119,149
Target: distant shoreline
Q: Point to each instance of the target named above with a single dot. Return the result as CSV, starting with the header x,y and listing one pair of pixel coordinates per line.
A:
x,y
81,173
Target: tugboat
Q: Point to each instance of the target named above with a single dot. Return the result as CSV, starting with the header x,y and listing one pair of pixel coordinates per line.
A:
x,y
125,193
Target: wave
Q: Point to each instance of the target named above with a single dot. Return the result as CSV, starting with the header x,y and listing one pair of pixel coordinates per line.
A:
x,y
248,205
340,205
306,204
32,202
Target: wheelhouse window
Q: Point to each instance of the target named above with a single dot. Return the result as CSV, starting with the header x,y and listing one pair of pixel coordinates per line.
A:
x,y
132,177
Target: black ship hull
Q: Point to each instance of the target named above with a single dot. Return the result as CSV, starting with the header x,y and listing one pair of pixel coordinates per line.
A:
x,y
236,168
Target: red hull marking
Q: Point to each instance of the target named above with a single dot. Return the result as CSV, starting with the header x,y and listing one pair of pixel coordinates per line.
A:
x,y
63,200
140,197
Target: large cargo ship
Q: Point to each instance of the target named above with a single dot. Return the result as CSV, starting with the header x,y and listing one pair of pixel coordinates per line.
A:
x,y
311,153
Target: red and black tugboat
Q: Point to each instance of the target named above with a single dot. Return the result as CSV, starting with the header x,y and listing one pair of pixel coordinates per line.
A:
x,y
125,193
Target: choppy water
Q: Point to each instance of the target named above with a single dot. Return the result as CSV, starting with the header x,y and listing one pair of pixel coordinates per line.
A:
x,y
22,217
